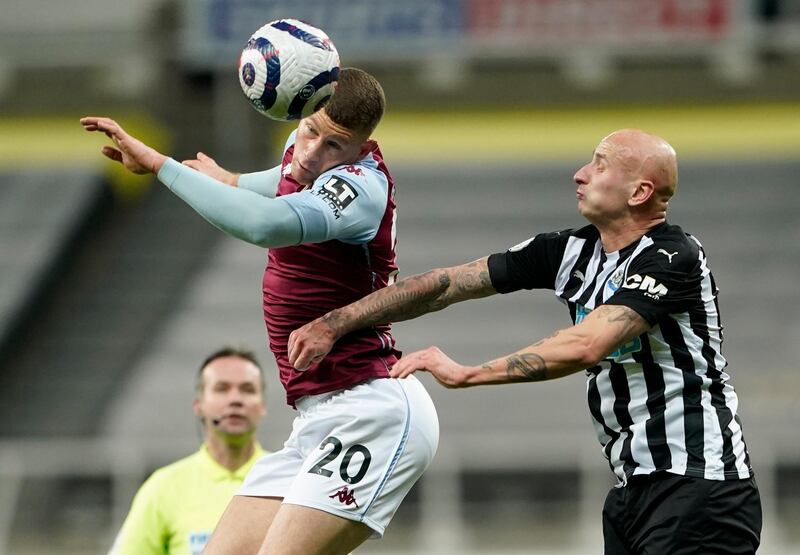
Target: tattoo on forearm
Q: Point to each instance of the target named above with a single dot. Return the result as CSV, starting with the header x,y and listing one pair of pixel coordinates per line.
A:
x,y
414,296
552,335
406,299
473,280
617,314
526,367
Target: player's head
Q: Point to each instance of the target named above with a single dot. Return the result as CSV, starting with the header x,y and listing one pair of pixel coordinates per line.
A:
x,y
359,102
338,133
631,173
229,394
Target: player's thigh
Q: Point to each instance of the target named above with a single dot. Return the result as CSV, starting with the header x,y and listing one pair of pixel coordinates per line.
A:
x,y
243,525
298,530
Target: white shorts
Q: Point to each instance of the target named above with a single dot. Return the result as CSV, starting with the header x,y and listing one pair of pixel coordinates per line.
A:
x,y
353,453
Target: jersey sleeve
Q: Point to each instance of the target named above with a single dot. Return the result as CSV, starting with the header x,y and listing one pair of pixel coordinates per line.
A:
x,y
665,279
254,218
144,531
343,205
265,183
532,264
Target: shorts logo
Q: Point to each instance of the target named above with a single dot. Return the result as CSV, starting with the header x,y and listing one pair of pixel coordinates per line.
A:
x,y
338,194
348,497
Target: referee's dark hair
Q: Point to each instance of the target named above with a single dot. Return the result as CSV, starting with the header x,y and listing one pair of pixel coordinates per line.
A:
x,y
229,351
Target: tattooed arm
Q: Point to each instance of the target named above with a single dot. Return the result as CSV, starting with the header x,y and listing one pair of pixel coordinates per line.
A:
x,y
408,298
565,352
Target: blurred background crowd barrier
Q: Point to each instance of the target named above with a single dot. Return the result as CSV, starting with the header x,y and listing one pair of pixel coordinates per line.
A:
x,y
112,291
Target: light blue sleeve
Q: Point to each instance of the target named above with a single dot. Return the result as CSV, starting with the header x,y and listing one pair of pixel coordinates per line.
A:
x,y
265,183
342,205
267,222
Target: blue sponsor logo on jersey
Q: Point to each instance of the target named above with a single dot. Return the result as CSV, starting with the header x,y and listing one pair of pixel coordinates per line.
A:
x,y
632,346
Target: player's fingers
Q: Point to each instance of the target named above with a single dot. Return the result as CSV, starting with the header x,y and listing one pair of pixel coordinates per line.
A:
x,y
404,367
292,354
396,371
299,357
302,364
304,359
290,347
202,156
112,153
97,121
89,123
191,163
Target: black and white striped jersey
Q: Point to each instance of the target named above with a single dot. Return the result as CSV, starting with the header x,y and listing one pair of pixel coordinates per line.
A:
x,y
661,402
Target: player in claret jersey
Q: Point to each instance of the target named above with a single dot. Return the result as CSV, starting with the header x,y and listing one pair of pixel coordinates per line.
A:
x,y
327,214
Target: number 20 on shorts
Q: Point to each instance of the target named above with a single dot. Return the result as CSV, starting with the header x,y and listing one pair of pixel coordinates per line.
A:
x,y
344,466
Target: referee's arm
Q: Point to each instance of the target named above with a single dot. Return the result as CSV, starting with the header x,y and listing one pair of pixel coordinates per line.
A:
x,y
143,532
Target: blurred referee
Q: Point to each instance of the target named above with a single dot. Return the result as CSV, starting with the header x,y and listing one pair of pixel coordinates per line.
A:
x,y
177,508
647,332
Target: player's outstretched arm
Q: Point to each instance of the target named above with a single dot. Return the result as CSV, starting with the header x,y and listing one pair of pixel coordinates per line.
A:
x,y
132,153
565,352
265,182
207,165
407,299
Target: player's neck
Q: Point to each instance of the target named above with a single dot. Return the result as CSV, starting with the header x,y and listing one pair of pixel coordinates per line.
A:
x,y
617,236
230,456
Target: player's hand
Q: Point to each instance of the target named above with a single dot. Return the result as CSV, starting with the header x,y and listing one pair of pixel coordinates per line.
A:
x,y
132,153
207,165
446,371
309,344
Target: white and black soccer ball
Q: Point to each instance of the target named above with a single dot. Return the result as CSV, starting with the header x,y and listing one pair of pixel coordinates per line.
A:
x,y
288,68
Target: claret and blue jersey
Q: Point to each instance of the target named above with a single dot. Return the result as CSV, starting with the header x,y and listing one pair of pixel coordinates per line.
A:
x,y
347,251
330,244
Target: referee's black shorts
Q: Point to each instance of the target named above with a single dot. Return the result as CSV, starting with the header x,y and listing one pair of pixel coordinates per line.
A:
x,y
666,514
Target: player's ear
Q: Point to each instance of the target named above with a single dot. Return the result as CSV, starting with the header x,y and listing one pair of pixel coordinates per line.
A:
x,y
642,193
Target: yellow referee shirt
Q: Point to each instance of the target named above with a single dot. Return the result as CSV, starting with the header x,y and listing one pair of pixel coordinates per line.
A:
x,y
177,508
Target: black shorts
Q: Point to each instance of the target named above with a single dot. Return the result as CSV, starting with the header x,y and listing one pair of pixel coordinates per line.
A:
x,y
666,514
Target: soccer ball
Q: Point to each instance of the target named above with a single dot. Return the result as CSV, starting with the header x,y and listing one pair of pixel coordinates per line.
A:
x,y
288,68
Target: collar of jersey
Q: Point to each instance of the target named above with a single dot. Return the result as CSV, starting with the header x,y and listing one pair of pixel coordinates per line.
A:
x,y
219,472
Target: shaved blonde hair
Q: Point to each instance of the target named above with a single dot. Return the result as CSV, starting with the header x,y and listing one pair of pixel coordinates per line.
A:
x,y
649,157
